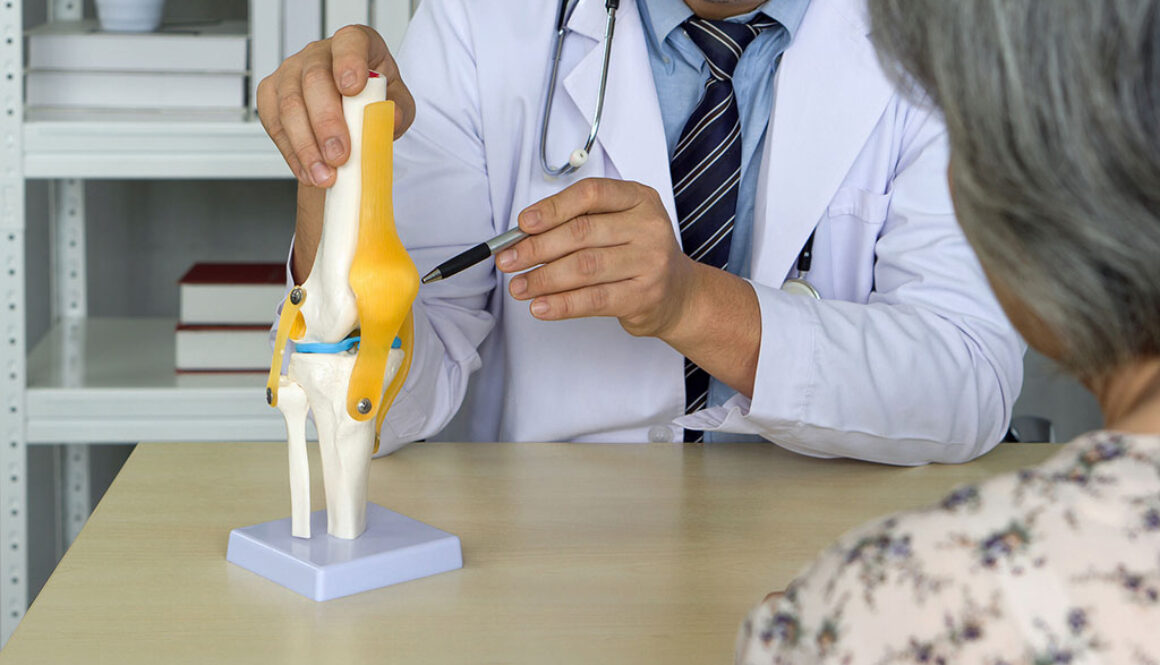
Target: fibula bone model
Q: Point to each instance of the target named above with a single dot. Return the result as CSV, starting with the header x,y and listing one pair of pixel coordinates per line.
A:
x,y
351,326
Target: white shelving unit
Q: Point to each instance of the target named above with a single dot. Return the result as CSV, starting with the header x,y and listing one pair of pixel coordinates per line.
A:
x,y
121,150
92,380
111,380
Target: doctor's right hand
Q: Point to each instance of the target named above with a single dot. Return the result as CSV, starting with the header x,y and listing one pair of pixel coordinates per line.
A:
x,y
300,104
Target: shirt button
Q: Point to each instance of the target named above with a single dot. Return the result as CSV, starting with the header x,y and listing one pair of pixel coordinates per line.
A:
x,y
658,434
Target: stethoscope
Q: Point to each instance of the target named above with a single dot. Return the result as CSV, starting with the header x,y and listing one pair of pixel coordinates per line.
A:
x,y
799,285
580,155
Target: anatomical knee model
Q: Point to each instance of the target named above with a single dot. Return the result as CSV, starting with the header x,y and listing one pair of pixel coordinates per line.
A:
x,y
351,325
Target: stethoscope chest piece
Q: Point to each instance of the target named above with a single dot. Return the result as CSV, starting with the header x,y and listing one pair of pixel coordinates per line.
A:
x,y
801,287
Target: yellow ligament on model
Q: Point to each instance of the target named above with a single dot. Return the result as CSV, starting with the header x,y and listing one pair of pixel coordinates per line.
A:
x,y
382,277
290,318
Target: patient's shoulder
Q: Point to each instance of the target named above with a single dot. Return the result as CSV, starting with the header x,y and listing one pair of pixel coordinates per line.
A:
x,y
1061,556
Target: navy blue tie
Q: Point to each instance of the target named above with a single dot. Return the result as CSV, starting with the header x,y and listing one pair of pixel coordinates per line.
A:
x,y
706,165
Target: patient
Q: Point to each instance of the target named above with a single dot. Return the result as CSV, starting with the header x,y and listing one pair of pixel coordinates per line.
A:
x,y
1053,114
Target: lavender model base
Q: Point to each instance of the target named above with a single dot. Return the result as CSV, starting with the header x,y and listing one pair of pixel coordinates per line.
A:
x,y
394,548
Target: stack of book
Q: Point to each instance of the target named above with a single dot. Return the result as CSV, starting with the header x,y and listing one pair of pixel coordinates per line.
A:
x,y
225,316
183,70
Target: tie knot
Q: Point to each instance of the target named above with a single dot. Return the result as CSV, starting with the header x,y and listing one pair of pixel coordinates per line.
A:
x,y
722,42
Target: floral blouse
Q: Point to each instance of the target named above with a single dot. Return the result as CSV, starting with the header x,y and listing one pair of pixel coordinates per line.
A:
x,y
1059,563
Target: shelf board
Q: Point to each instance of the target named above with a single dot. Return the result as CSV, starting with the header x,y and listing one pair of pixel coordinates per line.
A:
x,y
150,149
113,380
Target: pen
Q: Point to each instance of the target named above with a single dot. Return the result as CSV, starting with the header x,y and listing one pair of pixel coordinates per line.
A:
x,y
475,255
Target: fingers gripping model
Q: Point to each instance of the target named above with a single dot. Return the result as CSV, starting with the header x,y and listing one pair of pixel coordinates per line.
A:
x,y
347,364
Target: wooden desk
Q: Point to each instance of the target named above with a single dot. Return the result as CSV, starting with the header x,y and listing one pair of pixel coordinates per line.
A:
x,y
596,554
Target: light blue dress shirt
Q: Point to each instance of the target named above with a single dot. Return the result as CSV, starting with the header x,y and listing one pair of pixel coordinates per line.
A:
x,y
680,71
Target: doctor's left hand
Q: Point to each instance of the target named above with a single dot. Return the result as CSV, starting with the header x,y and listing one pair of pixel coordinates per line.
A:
x,y
604,248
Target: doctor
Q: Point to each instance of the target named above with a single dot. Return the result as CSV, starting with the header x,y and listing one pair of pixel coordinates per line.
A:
x,y
598,326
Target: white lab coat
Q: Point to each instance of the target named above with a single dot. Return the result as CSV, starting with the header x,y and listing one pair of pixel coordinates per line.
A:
x,y
907,360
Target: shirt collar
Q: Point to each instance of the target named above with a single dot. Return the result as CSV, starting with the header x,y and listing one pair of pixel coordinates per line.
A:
x,y
667,15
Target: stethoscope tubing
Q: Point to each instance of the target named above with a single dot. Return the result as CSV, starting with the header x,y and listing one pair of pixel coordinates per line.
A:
x,y
578,157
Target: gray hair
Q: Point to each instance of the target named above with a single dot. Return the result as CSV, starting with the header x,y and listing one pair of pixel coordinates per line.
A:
x,y
1053,114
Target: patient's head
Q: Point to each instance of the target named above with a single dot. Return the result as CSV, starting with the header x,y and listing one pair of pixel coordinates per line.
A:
x,y
1053,113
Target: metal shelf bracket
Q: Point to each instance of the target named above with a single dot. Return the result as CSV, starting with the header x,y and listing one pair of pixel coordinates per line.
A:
x,y
69,307
13,458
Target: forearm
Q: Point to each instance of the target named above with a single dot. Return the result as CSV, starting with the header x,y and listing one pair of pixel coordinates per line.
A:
x,y
307,230
891,383
720,328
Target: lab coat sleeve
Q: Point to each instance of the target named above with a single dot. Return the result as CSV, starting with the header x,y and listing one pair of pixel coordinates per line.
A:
x,y
927,371
442,207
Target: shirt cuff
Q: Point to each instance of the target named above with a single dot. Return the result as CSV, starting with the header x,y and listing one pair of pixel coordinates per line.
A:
x,y
785,383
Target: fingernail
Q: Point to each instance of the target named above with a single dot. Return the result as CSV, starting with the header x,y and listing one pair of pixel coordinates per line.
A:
x,y
333,149
506,258
539,308
347,79
319,173
531,219
519,285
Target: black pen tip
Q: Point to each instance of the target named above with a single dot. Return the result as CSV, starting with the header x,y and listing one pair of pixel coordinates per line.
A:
x,y
433,276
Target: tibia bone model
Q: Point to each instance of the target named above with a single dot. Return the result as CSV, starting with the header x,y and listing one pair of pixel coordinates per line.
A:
x,y
362,282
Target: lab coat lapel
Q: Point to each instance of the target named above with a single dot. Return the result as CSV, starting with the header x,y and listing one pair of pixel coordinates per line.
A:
x,y
831,94
631,132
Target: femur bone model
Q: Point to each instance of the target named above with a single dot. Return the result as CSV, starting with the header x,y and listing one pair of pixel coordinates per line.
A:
x,y
351,325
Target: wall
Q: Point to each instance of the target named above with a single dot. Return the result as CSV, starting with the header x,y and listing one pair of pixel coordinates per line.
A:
x,y
1050,394
143,235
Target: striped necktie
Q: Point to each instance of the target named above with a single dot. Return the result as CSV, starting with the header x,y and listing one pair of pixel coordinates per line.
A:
x,y
706,165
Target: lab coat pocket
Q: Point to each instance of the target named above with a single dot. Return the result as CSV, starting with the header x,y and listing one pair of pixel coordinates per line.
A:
x,y
854,218
867,207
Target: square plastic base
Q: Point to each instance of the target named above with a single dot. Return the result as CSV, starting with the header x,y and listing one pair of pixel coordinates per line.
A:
x,y
393,549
